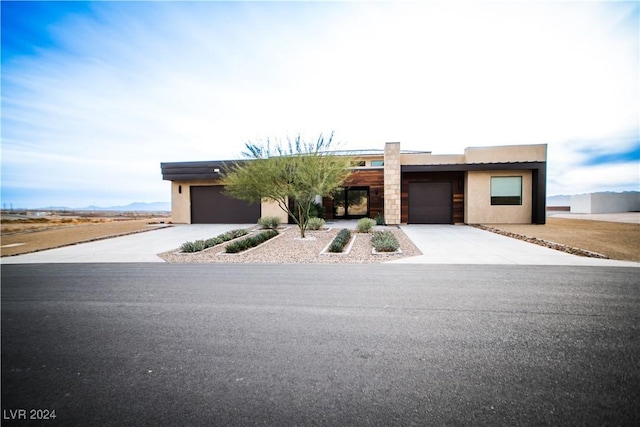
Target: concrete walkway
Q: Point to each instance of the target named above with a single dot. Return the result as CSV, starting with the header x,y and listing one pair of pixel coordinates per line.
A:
x,y
440,244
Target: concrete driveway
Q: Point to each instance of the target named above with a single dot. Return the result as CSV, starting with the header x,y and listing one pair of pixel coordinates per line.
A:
x,y
139,247
440,244
461,244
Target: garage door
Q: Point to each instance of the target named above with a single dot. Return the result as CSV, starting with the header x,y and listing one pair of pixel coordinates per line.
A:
x,y
430,203
210,206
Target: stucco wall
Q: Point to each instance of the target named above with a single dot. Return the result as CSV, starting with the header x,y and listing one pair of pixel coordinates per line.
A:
x,y
430,159
180,202
478,208
273,209
595,203
507,153
499,154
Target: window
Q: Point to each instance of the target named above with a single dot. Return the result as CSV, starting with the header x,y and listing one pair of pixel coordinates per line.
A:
x,y
358,163
351,202
506,190
377,162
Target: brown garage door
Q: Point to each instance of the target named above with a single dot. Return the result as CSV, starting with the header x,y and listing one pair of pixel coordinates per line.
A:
x,y
430,203
210,206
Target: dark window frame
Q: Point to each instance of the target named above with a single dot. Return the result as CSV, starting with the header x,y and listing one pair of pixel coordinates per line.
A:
x,y
511,200
345,205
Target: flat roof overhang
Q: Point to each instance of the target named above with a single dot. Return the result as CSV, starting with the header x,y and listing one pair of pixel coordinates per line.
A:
x,y
195,171
463,167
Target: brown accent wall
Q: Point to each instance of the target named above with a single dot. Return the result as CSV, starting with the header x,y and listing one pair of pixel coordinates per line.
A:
x,y
457,183
372,178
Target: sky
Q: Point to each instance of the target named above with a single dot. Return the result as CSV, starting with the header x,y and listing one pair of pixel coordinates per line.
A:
x,y
95,95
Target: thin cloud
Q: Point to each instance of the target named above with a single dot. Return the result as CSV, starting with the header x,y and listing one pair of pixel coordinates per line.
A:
x,y
610,151
610,177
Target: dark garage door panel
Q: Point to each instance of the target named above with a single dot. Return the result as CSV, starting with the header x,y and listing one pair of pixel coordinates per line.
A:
x,y
430,203
210,206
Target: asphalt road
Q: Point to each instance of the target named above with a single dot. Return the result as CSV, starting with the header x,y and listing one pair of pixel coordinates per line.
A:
x,y
168,344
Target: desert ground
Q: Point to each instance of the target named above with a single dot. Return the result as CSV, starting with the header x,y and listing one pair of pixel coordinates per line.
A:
x,y
615,240
21,234
620,241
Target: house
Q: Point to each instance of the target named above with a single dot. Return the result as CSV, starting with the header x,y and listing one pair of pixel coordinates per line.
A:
x,y
605,202
498,184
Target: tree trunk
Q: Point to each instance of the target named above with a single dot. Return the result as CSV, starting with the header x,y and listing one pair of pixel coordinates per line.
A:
x,y
301,221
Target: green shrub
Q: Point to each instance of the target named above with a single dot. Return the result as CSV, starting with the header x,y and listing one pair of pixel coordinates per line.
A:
x,y
315,223
212,242
269,222
379,219
249,242
196,246
200,245
233,234
316,210
384,241
365,225
340,241
335,247
237,246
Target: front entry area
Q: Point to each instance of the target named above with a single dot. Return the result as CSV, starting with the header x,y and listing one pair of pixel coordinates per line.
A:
x,y
209,205
431,202
351,202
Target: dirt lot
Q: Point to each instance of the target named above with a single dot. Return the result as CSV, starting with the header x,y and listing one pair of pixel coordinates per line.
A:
x,y
615,240
36,234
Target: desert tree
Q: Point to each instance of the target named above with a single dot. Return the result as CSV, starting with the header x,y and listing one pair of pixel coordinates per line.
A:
x,y
298,171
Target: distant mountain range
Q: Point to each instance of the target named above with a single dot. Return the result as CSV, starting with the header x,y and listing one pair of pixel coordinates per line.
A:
x,y
132,207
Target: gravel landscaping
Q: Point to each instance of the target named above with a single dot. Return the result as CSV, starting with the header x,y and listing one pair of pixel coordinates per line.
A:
x,y
288,248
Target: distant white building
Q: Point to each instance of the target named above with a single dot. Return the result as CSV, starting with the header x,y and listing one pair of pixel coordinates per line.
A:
x,y
597,203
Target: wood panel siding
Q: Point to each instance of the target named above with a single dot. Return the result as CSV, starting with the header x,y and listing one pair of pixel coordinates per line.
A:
x,y
458,208
372,178
457,185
